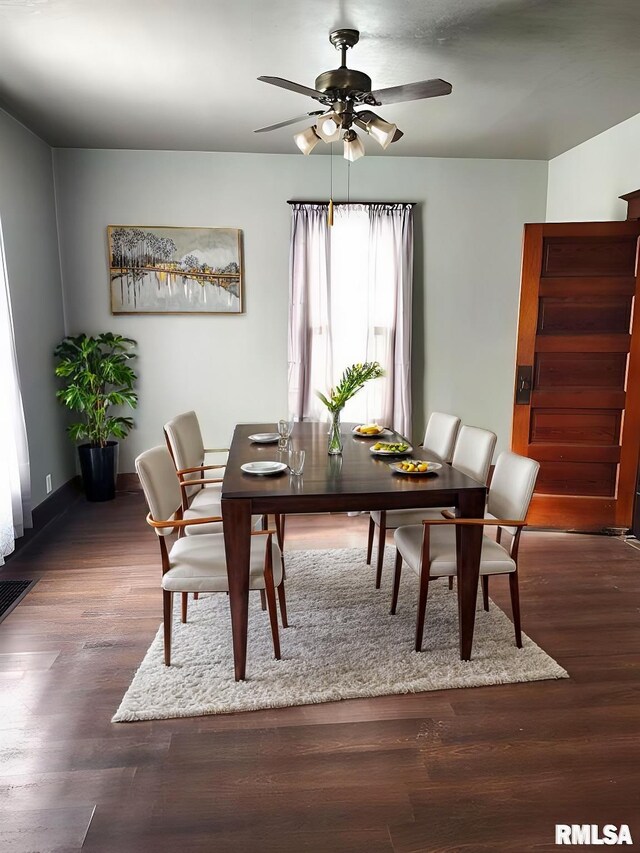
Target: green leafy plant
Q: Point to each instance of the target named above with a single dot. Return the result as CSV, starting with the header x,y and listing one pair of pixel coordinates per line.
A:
x,y
353,379
97,377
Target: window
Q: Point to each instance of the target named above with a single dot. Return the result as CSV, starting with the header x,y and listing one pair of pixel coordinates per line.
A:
x,y
14,459
350,301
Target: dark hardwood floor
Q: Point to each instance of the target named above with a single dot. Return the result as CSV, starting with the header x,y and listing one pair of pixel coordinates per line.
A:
x,y
483,769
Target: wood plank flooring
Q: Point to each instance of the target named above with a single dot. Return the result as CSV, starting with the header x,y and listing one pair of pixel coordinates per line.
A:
x,y
483,769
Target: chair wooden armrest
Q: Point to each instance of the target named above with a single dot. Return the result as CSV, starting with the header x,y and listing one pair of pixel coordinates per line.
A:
x,y
196,469
184,484
468,522
182,522
216,450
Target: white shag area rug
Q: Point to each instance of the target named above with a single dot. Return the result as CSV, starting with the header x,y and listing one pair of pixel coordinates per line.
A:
x,y
341,644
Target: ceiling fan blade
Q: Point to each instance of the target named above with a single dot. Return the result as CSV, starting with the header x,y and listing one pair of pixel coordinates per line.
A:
x,y
294,87
412,92
289,121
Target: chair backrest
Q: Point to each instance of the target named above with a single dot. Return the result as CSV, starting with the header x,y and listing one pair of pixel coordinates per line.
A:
x,y
512,484
184,440
157,475
474,451
440,435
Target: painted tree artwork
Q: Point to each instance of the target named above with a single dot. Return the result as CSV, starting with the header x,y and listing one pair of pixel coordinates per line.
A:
x,y
175,270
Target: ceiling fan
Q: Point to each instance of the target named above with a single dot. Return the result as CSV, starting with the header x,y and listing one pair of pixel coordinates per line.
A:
x,y
342,90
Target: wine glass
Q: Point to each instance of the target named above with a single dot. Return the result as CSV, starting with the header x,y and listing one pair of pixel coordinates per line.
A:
x,y
285,428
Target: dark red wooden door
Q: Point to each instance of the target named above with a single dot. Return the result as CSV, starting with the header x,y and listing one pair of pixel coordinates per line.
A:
x,y
577,402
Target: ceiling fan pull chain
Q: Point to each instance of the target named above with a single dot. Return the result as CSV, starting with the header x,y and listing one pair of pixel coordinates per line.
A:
x,y
330,208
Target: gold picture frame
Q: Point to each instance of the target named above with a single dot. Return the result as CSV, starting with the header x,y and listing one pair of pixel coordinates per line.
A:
x,y
175,270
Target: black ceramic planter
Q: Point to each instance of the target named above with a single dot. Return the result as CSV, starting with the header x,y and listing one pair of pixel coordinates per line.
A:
x,y
99,466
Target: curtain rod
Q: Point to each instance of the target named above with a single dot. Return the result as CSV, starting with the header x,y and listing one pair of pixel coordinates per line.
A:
x,y
335,203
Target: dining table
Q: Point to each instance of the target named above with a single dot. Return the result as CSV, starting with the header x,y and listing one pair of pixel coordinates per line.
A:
x,y
356,480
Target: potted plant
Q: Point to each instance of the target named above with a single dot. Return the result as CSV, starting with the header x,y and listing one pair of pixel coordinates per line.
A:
x,y
97,376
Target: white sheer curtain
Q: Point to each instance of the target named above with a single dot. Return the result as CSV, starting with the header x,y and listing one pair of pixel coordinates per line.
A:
x,y
15,487
350,301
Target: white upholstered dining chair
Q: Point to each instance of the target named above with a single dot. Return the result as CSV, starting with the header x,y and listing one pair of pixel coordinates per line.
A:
x,y
430,548
440,435
186,446
201,493
472,455
197,564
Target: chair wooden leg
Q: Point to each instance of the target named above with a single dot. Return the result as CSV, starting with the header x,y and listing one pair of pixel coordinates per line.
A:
x,y
381,543
372,530
279,524
422,606
185,603
271,601
263,600
515,606
196,596
450,581
167,607
282,600
396,583
485,592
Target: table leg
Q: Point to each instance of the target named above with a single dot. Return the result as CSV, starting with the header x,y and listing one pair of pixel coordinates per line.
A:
x,y
471,505
236,518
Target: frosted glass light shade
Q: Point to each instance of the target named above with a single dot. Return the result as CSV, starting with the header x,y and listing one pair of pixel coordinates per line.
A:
x,y
382,131
353,147
306,140
328,127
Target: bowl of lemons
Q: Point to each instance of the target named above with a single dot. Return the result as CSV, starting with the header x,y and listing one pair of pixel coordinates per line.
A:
x,y
415,467
370,430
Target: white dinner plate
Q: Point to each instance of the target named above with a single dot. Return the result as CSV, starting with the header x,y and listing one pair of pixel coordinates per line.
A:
x,y
263,467
433,467
391,452
264,437
383,431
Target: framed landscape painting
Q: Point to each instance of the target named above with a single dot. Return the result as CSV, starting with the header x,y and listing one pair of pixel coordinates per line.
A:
x,y
160,270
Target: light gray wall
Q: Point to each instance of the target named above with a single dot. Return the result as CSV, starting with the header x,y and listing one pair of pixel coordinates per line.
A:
x,y
27,212
585,182
232,369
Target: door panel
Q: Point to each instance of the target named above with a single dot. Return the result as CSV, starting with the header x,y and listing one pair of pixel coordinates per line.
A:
x,y
572,370
575,426
578,307
593,255
576,478
587,315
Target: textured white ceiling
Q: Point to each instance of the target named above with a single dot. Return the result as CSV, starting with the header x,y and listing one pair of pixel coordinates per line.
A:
x,y
531,78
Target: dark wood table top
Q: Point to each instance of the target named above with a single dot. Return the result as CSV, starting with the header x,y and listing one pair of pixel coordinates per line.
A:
x,y
355,480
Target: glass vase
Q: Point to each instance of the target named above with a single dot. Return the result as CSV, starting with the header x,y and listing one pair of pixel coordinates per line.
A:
x,y
335,438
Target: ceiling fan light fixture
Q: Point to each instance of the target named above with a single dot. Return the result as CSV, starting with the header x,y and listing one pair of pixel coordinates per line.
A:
x,y
328,127
382,131
353,147
306,140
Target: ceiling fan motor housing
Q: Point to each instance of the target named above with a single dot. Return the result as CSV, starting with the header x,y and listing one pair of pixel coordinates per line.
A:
x,y
344,83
